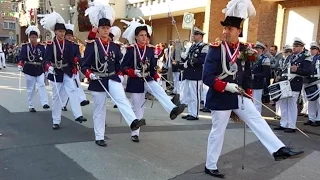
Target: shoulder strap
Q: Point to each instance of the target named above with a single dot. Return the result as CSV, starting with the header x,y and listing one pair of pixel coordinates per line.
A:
x,y
54,51
135,57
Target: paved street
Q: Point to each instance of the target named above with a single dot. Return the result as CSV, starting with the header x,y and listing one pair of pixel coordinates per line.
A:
x,y
176,150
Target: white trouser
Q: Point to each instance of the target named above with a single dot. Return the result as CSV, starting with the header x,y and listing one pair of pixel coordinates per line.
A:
x,y
80,92
64,96
257,94
176,83
314,110
205,90
183,97
278,111
138,99
305,101
99,108
192,91
31,83
252,118
2,60
289,111
70,88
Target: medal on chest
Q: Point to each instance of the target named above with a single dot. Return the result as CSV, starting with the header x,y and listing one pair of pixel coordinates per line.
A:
x,y
61,48
141,56
105,49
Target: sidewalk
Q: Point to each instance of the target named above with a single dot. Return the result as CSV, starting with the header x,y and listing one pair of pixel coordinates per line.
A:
x,y
300,121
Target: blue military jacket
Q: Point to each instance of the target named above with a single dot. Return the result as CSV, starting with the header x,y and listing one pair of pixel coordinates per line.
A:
x,y
216,100
136,84
32,58
76,53
303,61
105,63
66,57
311,79
175,67
196,56
260,71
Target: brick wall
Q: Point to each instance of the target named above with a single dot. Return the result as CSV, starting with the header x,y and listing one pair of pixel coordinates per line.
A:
x,y
267,22
216,15
262,27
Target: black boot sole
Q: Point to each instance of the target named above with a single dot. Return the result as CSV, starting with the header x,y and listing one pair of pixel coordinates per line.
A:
x,y
290,157
217,175
178,112
141,123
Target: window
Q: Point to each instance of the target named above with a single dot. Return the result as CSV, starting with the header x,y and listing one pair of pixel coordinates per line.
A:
x,y
9,25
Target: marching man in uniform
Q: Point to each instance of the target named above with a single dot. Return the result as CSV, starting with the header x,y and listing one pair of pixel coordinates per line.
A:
x,y
192,74
102,66
299,65
76,74
59,62
225,74
314,102
140,64
260,72
30,63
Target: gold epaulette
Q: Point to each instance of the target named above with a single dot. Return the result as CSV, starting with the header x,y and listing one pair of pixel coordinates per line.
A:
x,y
215,44
152,46
89,41
129,46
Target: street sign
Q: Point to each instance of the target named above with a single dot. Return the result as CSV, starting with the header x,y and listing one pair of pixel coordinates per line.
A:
x,y
188,21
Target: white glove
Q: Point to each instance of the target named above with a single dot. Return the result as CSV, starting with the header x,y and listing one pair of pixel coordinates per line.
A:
x,y
93,76
137,73
51,70
20,68
185,65
121,78
232,87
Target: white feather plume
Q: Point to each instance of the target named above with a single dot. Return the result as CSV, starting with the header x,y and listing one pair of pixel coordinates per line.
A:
x,y
69,26
100,9
48,21
32,28
131,27
116,31
129,33
240,8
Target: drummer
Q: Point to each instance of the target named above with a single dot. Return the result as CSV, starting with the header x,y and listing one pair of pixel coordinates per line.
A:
x,y
300,64
313,103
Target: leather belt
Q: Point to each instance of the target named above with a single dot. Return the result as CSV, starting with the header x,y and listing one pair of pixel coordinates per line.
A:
x,y
104,74
63,65
33,63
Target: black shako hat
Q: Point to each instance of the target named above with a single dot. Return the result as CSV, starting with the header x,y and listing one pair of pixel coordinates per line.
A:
x,y
111,36
104,22
141,28
69,31
233,22
33,33
60,26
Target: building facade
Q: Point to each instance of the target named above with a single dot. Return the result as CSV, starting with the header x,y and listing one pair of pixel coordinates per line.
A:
x,y
7,23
